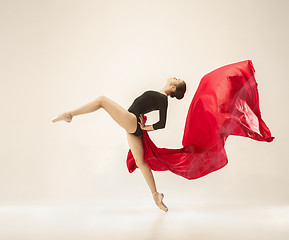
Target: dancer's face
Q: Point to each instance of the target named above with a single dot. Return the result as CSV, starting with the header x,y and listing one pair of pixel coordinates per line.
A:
x,y
174,81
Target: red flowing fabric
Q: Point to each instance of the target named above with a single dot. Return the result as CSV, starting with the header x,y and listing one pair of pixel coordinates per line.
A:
x,y
225,103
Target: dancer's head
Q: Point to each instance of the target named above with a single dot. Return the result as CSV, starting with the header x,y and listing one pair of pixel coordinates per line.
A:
x,y
176,87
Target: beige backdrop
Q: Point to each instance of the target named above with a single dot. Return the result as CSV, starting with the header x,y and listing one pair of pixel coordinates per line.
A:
x,y
58,55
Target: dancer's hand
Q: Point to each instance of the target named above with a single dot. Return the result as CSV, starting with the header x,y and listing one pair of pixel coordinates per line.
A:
x,y
141,123
64,116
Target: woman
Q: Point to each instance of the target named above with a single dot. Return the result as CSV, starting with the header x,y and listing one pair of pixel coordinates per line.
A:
x,y
132,121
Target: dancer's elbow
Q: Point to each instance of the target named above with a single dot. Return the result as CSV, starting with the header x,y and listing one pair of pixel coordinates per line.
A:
x,y
158,126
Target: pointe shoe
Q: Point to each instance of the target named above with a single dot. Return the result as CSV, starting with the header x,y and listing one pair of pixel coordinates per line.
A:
x,y
64,116
158,197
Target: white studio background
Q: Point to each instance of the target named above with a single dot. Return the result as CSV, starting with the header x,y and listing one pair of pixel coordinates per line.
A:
x,y
59,55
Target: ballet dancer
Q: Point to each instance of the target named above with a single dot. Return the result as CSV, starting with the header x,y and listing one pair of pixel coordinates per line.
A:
x,y
133,122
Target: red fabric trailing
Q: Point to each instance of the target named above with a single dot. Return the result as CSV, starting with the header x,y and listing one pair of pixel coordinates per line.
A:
x,y
226,103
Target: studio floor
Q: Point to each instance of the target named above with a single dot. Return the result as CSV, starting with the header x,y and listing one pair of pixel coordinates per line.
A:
x,y
187,222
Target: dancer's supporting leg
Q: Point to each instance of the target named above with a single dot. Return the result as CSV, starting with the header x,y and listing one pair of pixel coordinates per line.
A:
x,y
126,120
136,147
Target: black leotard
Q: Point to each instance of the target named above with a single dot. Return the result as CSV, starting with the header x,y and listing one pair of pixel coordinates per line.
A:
x,y
148,101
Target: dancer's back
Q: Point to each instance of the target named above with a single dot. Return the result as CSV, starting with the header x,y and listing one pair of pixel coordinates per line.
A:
x,y
149,101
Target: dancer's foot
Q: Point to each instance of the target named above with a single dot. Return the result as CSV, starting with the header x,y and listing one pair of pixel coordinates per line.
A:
x,y
158,197
64,116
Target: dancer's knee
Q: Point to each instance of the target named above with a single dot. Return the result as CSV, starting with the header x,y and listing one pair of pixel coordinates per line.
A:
x,y
101,100
140,163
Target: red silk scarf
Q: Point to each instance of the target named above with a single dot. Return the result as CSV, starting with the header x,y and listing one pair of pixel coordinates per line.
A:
x,y
226,103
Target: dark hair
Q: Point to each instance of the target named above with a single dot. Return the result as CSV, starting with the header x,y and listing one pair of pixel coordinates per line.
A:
x,y
180,90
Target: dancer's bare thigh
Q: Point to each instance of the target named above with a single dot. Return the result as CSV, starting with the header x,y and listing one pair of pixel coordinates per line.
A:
x,y
123,117
136,147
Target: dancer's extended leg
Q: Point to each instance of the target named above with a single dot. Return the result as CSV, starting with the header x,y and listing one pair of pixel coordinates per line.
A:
x,y
123,117
127,120
87,108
